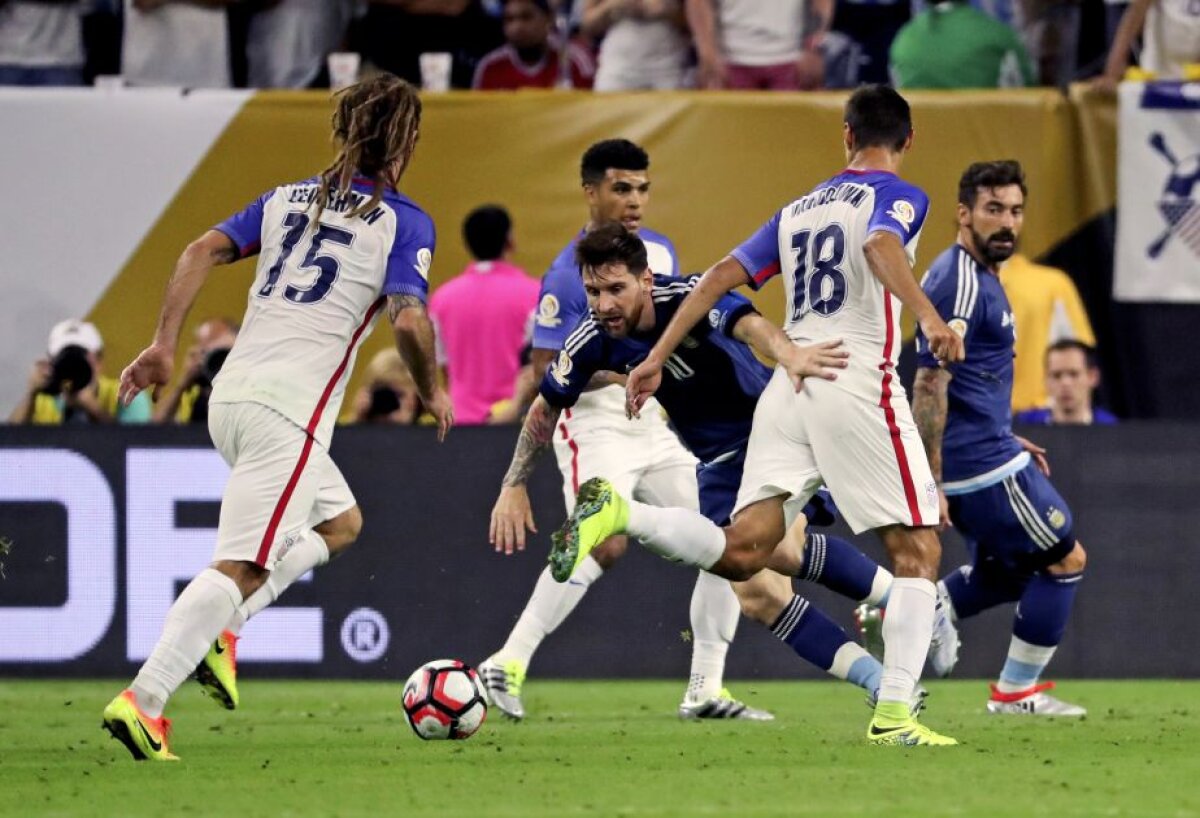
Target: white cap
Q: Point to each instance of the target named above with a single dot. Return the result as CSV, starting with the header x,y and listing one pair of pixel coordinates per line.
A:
x,y
74,333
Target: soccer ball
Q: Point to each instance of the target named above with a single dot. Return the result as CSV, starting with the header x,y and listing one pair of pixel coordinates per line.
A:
x,y
444,699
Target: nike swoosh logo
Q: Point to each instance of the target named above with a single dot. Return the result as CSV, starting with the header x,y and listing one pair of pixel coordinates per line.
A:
x,y
154,745
218,647
879,731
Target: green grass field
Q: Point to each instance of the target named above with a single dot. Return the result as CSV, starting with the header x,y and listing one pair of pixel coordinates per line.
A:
x,y
602,749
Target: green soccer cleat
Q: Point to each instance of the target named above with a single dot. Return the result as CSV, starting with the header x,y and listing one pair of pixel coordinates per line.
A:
x,y
909,734
217,673
144,737
599,513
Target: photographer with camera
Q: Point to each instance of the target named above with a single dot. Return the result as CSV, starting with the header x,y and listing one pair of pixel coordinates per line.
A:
x,y
187,400
68,387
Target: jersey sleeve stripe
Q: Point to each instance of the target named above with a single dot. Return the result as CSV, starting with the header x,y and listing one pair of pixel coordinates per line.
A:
x,y
577,339
968,287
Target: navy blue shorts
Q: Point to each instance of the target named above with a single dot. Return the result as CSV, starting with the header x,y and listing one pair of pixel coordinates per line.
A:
x,y
1022,523
719,482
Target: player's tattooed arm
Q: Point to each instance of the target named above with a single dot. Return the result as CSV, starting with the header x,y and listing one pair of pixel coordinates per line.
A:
x,y
929,411
536,436
414,335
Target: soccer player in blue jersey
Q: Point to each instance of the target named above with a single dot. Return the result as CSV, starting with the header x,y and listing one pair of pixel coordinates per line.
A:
x,y
594,438
710,391
993,485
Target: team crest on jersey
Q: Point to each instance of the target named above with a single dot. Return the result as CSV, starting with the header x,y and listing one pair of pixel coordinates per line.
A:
x,y
1056,517
903,212
931,492
561,367
959,327
547,315
714,319
424,262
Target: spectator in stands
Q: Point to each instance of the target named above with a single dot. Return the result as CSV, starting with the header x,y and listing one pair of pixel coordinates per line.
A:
x,y
645,46
856,49
388,393
395,33
754,45
1071,378
533,56
41,43
483,317
952,45
173,43
187,400
69,387
288,41
1050,31
1170,31
1046,308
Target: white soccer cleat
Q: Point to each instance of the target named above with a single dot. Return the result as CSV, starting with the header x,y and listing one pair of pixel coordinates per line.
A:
x,y
503,682
943,647
1032,702
722,706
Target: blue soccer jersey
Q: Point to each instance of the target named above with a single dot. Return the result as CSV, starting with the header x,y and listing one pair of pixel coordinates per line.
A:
x,y
562,303
978,449
710,384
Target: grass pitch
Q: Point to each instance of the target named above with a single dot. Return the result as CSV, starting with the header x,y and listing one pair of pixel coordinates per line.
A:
x,y
602,749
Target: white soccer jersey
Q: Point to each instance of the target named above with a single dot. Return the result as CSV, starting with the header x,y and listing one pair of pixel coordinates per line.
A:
x,y
816,243
317,290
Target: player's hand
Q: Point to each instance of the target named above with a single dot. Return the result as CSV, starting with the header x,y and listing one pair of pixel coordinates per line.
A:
x,y
944,343
511,515
442,409
821,360
1104,84
943,511
151,368
640,386
1039,454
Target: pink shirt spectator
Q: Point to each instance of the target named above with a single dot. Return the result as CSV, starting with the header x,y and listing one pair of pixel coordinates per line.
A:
x,y
482,317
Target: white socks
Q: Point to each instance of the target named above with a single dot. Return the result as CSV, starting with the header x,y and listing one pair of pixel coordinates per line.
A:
x,y
551,603
907,630
678,534
714,612
308,552
193,623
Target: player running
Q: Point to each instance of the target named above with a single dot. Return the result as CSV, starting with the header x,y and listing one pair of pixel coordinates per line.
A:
x,y
333,250
994,487
845,250
710,391
594,438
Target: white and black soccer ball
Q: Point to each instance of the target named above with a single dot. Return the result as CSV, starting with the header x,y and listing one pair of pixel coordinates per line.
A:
x,y
444,699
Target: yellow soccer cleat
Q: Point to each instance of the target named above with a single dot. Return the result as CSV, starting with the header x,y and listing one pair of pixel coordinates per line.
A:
x,y
217,673
599,513
144,737
908,734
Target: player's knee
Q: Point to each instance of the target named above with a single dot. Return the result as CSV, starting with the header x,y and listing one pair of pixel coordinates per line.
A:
x,y
608,552
248,576
740,564
342,531
1072,563
915,552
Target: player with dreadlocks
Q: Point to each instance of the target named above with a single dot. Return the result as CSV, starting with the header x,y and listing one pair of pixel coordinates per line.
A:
x,y
333,250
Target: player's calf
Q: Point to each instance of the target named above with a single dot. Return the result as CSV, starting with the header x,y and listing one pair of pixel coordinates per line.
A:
x,y
342,531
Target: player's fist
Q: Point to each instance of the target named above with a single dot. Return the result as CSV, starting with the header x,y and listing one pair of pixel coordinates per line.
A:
x,y
151,368
944,343
640,386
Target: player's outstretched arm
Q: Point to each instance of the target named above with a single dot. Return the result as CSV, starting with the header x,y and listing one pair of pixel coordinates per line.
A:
x,y
821,360
889,263
152,368
727,274
415,340
929,407
513,513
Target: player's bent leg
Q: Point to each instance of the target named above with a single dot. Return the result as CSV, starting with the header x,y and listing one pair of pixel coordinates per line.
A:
x,y
340,532
751,539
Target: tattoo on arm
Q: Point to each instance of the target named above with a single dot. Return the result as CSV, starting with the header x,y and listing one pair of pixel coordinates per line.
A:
x,y
224,255
415,341
929,412
536,434
398,303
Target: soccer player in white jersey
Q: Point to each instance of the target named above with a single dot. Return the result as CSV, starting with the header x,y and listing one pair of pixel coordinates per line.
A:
x,y
333,250
594,439
846,252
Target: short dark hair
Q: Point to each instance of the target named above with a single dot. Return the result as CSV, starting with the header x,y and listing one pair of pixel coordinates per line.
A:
x,y
611,243
1064,344
1001,173
611,153
878,117
544,5
486,230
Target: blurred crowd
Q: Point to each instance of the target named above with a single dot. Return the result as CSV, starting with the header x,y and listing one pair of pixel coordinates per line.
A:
x,y
607,45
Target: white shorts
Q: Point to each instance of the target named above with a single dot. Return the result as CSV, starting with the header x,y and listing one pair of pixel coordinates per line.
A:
x,y
281,482
862,445
649,465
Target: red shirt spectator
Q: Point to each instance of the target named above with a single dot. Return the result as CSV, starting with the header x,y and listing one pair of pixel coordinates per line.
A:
x,y
532,56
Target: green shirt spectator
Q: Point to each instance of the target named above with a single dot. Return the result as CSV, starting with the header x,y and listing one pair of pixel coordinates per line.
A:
x,y
952,45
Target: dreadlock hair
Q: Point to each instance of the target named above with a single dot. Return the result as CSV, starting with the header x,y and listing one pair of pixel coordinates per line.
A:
x,y
375,125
